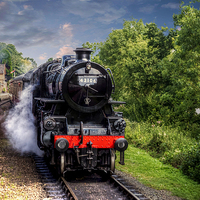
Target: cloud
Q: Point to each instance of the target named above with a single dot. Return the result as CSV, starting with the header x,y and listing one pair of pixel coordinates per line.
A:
x,y
111,15
65,36
28,7
64,51
171,5
43,56
23,27
14,19
103,11
148,9
2,4
16,0
28,25
66,30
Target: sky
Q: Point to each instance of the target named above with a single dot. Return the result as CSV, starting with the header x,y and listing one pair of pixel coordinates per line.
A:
x,y
41,29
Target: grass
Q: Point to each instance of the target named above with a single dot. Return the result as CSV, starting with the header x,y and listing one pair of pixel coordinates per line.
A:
x,y
153,173
170,144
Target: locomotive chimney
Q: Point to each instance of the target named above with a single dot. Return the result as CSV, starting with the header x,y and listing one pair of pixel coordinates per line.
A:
x,y
83,54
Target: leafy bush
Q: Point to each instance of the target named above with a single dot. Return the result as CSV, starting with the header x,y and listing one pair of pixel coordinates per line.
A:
x,y
191,162
169,144
158,137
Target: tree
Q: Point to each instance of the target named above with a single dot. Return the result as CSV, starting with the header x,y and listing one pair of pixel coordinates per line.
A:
x,y
182,68
17,59
156,70
14,60
28,64
95,49
50,59
134,53
5,58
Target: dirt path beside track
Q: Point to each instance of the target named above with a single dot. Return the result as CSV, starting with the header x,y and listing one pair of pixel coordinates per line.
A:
x,y
18,176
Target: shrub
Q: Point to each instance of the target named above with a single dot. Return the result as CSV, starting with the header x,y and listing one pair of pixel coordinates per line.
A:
x,y
191,162
171,145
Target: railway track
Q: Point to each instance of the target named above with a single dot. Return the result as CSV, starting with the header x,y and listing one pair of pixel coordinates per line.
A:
x,y
4,101
85,186
130,192
55,188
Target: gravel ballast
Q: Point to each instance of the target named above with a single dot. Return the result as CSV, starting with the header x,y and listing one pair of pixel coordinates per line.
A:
x,y
18,176
147,191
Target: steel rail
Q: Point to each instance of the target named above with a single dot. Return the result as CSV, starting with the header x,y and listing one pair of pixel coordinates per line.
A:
x,y
134,196
68,188
5,102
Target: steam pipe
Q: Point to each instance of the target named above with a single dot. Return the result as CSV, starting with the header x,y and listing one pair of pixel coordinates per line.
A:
x,y
122,158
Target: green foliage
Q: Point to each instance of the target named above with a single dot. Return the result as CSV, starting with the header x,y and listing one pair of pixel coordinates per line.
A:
x,y
17,59
50,59
181,70
14,60
191,162
156,70
5,58
27,64
134,53
158,138
169,145
95,49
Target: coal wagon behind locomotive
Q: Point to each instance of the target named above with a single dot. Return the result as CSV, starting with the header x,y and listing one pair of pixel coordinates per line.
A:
x,y
76,125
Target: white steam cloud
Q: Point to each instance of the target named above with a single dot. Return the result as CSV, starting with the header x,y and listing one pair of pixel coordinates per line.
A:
x,y
20,127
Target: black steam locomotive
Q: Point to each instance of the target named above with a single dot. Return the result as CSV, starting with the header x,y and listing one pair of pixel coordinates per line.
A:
x,y
76,125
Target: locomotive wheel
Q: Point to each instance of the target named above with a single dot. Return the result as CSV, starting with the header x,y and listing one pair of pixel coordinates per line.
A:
x,y
62,163
112,161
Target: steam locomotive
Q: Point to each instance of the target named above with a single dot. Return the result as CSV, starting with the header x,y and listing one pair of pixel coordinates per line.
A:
x,y
77,127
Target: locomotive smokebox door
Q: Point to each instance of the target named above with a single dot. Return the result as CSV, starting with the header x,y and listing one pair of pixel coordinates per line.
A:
x,y
86,86
88,157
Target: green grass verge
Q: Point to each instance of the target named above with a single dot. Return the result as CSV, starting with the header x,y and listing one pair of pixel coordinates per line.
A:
x,y
171,145
153,173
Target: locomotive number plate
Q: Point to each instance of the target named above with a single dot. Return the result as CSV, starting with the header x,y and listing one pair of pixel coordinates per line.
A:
x,y
88,131
87,80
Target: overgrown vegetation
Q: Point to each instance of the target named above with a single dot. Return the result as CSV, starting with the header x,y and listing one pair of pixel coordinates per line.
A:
x,y
157,72
170,145
14,60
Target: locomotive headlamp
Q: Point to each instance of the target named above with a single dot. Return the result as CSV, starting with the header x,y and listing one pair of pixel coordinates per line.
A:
x,y
62,144
120,125
49,123
88,66
121,144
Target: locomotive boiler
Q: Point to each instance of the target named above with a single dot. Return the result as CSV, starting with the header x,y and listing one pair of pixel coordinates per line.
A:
x,y
77,127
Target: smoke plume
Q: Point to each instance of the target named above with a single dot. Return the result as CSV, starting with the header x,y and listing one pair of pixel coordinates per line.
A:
x,y
20,127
